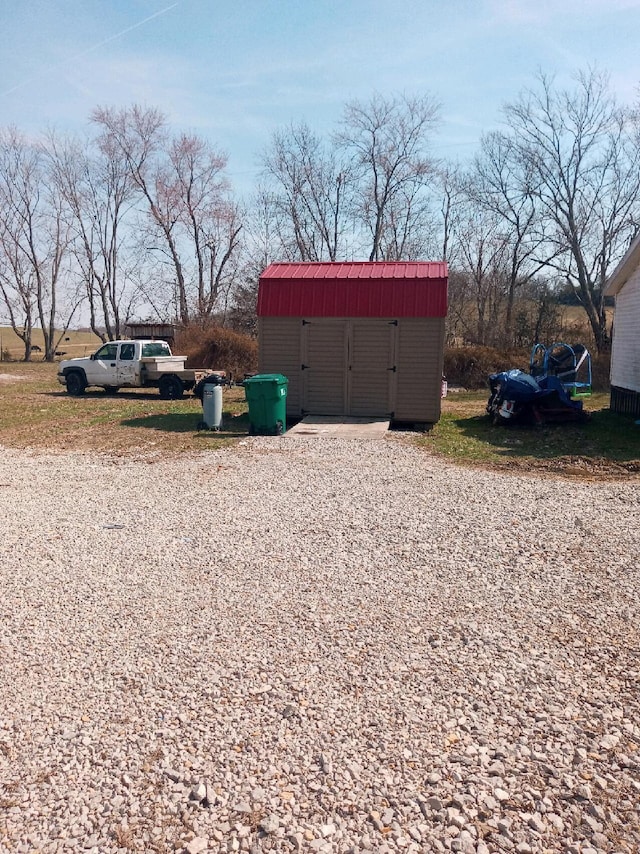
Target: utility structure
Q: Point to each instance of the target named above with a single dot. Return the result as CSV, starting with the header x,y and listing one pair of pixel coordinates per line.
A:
x,y
355,338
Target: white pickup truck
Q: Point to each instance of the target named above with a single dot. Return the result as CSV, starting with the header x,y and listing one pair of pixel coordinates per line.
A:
x,y
130,364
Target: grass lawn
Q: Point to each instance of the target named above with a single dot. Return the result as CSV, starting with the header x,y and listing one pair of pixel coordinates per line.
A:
x,y
606,443
36,412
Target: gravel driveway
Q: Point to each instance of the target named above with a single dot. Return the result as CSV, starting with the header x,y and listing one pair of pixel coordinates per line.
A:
x,y
322,646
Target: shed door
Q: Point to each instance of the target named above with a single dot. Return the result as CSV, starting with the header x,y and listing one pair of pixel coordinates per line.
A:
x,y
323,366
371,375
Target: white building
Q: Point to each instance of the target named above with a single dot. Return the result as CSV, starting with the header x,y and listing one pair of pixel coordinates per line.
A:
x,y
624,284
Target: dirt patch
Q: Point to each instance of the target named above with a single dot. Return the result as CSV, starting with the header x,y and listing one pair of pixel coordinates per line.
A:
x,y
12,378
579,468
583,466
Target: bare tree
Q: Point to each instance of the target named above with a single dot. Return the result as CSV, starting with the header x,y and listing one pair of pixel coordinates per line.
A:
x,y
188,203
582,165
309,200
482,252
99,193
387,140
211,220
261,246
450,187
34,239
501,184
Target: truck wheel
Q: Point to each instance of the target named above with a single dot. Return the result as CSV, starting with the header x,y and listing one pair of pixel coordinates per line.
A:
x,y
76,383
111,389
171,388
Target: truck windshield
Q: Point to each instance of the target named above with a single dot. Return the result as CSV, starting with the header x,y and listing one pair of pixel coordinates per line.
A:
x,y
156,348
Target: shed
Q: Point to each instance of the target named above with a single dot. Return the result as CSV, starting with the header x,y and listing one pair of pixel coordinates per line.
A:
x,y
355,338
624,284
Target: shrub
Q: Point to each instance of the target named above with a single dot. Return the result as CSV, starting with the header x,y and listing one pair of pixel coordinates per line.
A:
x,y
469,367
219,349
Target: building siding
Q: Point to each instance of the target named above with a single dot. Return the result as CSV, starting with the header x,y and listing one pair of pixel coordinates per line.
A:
x,y
323,375
419,369
625,402
625,354
279,353
349,365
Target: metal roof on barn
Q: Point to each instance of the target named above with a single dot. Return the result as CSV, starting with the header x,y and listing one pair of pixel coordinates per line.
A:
x,y
354,289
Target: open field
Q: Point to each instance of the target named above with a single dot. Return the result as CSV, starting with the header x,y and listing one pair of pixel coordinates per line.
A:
x,y
36,412
73,344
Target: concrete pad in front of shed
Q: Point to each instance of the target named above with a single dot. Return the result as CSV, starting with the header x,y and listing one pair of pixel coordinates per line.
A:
x,y
340,427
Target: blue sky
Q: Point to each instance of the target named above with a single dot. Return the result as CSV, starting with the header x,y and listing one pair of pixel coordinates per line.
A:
x,y
235,70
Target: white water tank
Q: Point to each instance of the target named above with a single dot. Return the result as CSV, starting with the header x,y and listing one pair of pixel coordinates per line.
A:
x,y
212,405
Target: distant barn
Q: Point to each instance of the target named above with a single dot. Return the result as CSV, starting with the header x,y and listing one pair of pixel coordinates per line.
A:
x,y
161,331
355,338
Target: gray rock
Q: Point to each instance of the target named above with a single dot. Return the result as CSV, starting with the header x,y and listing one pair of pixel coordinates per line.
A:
x,y
270,824
198,792
537,823
387,817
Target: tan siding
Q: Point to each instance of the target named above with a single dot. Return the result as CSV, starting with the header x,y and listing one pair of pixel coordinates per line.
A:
x,y
371,347
419,369
327,387
323,382
279,353
625,356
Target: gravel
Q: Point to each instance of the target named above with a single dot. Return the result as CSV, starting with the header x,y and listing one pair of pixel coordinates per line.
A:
x,y
315,646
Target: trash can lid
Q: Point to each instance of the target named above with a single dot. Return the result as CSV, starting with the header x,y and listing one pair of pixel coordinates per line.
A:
x,y
213,379
266,378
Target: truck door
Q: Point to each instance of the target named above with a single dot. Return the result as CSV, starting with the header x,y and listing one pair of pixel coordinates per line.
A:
x,y
102,370
128,365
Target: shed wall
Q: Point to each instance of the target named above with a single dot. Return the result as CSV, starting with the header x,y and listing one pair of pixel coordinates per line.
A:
x,y
324,354
279,353
625,353
356,366
419,369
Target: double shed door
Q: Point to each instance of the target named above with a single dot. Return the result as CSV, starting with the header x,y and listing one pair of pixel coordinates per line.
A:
x,y
348,366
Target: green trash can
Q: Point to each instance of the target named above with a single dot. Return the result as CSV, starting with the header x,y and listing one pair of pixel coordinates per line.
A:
x,y
266,395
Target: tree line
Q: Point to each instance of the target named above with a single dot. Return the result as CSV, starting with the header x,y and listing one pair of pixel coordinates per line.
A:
x,y
136,218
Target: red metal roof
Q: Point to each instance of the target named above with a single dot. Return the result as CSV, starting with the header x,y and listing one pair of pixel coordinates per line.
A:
x,y
354,289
